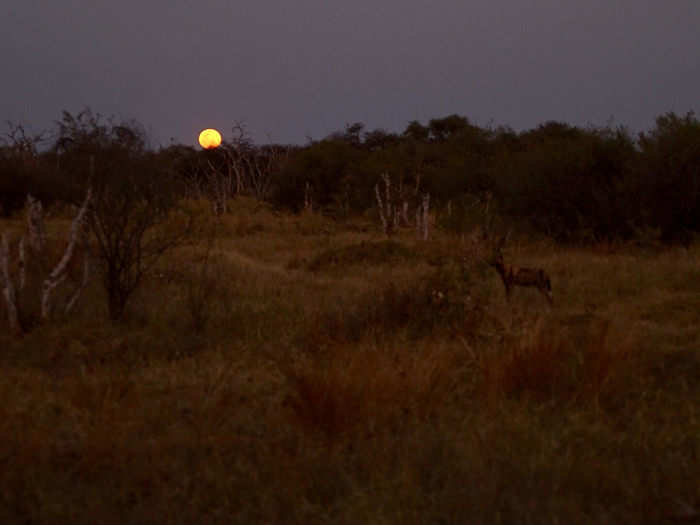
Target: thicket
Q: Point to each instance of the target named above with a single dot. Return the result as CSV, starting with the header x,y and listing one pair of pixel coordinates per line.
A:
x,y
570,183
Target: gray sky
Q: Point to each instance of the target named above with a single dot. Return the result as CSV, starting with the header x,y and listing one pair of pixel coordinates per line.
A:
x,y
304,68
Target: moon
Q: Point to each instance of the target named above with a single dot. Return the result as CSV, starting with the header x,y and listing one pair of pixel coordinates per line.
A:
x,y
209,138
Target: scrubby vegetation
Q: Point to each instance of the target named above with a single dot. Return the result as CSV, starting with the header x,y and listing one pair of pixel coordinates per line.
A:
x,y
270,366
572,184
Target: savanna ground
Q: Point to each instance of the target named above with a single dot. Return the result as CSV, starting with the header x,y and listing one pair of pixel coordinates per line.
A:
x,y
290,369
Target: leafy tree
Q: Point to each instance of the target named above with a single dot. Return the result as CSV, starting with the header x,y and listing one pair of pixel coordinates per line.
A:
x,y
567,182
379,139
669,175
415,131
445,128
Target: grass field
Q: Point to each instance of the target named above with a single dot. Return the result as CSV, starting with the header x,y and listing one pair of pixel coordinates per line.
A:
x,y
306,371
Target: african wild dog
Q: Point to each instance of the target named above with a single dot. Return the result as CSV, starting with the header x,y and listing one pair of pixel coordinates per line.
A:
x,y
515,276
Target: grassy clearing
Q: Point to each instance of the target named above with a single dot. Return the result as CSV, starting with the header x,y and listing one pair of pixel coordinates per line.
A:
x,y
313,372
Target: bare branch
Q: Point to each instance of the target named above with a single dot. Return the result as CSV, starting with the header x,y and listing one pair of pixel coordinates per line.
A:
x,y
59,273
35,224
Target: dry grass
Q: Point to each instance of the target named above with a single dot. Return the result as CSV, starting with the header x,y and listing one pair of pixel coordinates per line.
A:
x,y
551,365
391,385
359,391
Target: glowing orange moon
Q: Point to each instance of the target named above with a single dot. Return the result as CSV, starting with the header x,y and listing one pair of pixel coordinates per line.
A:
x,y
209,139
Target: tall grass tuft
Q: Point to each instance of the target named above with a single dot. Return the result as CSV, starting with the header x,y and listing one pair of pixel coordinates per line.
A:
x,y
550,364
362,392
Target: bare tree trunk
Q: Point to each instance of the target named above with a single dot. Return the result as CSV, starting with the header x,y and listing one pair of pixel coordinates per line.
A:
x,y
60,272
380,206
308,200
8,287
35,224
79,290
426,215
387,210
22,263
387,194
423,218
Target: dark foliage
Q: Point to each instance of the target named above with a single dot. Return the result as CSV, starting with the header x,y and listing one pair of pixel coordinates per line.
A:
x,y
574,184
668,176
23,171
570,183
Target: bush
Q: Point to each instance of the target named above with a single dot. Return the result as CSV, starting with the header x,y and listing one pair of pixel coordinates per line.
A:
x,y
668,176
438,303
568,183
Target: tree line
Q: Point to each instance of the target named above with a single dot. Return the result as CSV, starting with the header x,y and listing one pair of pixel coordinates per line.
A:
x,y
567,182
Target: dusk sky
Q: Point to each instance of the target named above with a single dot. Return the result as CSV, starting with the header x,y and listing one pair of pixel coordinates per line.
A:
x,y
297,69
